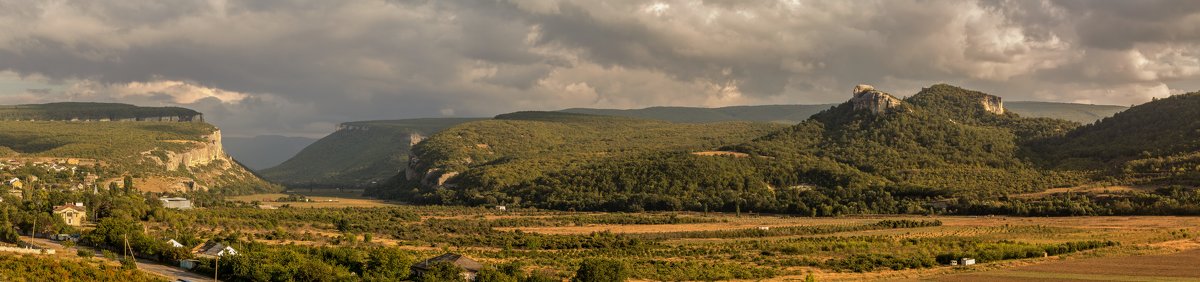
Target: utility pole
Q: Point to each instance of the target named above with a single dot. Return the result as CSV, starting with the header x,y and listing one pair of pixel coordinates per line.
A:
x,y
33,230
129,251
217,267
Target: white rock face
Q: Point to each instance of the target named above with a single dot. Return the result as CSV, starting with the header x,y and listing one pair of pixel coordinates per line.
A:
x,y
868,99
993,104
862,88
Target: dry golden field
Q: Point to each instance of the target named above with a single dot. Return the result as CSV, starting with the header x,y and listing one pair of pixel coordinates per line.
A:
x,y
749,247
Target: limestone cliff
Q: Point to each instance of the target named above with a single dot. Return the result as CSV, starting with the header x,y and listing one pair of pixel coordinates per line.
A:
x,y
866,98
203,153
200,165
992,104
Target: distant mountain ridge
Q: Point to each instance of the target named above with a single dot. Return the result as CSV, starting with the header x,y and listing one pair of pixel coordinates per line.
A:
x,y
792,114
356,167
87,111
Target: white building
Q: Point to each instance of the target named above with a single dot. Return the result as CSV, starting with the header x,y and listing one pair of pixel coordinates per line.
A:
x,y
176,203
174,244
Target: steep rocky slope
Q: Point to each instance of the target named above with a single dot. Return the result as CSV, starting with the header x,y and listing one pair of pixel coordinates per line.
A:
x,y
358,153
166,155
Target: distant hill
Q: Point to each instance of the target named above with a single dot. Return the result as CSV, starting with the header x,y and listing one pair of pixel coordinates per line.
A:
x,y
67,111
1081,113
265,151
873,154
792,114
379,160
767,113
504,159
358,153
1157,141
162,156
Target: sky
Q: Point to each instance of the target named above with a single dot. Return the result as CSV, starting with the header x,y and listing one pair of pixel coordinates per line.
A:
x,y
298,68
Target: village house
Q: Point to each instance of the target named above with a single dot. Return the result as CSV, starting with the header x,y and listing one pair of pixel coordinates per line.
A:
x,y
174,244
15,183
470,267
213,249
72,214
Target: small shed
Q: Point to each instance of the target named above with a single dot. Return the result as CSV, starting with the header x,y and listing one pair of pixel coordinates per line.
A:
x,y
470,267
968,261
176,203
188,264
501,208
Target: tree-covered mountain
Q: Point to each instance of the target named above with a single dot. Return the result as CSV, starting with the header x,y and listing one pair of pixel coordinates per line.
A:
x,y
161,155
358,153
489,161
265,151
1154,142
942,149
351,165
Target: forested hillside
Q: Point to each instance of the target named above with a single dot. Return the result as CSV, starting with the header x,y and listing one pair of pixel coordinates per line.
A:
x,y
358,153
353,158
497,161
944,149
1155,142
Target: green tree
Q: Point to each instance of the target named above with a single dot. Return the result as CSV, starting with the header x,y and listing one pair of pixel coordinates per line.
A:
x,y
601,270
387,264
494,275
441,271
128,184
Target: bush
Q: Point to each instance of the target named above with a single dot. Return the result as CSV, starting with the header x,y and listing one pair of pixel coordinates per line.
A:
x,y
85,253
601,270
440,272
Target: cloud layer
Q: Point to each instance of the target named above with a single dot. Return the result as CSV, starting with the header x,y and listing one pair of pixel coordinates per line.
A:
x,y
298,67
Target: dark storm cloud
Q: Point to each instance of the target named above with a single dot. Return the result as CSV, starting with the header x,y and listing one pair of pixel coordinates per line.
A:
x,y
299,67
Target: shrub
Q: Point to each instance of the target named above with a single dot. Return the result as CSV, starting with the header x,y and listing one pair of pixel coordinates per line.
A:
x,y
601,270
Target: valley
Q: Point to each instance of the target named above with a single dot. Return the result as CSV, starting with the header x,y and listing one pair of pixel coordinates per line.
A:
x,y
723,246
945,184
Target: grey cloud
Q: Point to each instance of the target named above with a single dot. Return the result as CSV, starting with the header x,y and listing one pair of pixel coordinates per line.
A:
x,y
303,66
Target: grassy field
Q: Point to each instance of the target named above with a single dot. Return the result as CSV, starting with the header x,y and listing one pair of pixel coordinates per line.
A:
x,y
319,199
716,246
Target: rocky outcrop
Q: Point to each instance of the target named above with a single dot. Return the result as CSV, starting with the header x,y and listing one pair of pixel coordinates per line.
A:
x,y
866,98
992,104
414,138
203,153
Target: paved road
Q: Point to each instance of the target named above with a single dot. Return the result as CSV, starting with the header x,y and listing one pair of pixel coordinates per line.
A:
x,y
174,273
169,271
